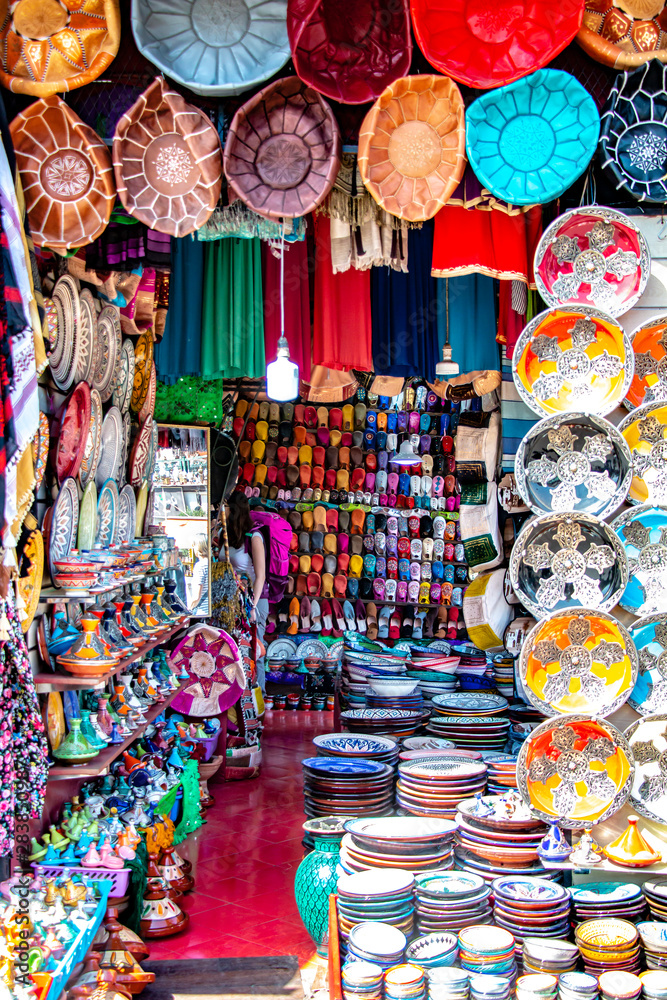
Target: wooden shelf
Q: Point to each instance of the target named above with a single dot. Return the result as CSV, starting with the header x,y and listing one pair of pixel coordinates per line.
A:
x,y
105,757
56,595
76,681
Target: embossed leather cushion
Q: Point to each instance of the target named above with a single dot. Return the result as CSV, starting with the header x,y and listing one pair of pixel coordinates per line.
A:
x,y
66,174
283,150
46,49
624,38
167,161
412,146
349,50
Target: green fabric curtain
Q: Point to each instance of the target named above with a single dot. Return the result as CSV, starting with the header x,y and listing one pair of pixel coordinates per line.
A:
x,y
233,310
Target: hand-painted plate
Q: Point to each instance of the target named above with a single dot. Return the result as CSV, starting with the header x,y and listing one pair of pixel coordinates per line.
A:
x,y
107,512
142,501
40,450
334,766
648,741
564,561
31,572
282,648
121,475
148,408
87,518
575,770
122,393
140,454
91,455
645,432
143,358
649,635
572,359
573,462
64,522
593,256
649,383
87,337
469,703
313,647
72,436
107,359
582,661
152,456
126,522
350,745
643,533
54,719
64,359
112,443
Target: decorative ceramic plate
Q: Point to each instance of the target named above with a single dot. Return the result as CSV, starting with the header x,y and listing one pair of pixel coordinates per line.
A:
x,y
40,450
433,768
148,408
149,516
564,561
282,648
93,441
573,462
525,890
593,256
645,431
334,766
578,662
643,532
529,141
143,364
87,518
351,745
107,359
64,522
87,337
575,770
649,383
142,501
571,359
605,892
55,719
152,458
469,702
648,741
112,443
72,436
649,635
55,324
140,454
313,648
126,522
64,355
122,393
121,474
31,572
107,512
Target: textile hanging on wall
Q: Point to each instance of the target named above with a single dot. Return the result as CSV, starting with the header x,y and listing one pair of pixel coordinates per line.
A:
x,y
466,305
125,244
297,303
179,352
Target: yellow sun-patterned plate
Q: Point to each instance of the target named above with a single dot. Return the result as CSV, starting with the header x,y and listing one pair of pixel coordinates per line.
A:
x,y
645,432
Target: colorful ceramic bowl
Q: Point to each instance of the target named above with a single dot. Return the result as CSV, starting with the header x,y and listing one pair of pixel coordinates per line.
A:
x,y
649,635
645,431
643,532
649,343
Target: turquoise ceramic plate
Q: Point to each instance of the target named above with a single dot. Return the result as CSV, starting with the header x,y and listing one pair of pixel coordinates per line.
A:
x,y
529,141
87,518
107,512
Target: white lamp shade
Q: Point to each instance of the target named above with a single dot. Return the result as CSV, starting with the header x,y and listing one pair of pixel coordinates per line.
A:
x,y
405,456
282,379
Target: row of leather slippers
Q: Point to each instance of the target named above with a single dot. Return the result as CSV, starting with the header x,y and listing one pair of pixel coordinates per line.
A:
x,y
333,618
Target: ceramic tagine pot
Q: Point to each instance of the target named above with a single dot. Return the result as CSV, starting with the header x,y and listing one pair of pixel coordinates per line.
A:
x,y
88,655
631,849
316,877
160,916
75,747
132,942
175,876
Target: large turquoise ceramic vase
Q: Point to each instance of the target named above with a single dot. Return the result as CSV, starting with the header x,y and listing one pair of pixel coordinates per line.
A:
x,y
316,877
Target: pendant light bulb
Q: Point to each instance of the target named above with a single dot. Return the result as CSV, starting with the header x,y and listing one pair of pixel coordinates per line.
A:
x,y
282,375
405,455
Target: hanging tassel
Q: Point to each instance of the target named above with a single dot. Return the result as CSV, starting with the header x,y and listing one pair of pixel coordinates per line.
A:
x,y
4,624
20,605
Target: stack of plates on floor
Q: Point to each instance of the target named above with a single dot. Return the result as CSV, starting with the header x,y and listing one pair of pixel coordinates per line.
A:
x,y
394,692
523,719
385,896
487,949
344,787
488,987
433,682
450,901
405,982
426,743
503,675
503,841
620,986
531,906
395,722
376,942
361,981
654,940
536,986
358,747
434,785
547,955
360,667
463,703
448,984
608,945
608,899
654,984
502,771
433,950
479,732
577,986
656,897
415,845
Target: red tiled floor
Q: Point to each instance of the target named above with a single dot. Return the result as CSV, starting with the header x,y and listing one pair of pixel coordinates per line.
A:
x,y
245,856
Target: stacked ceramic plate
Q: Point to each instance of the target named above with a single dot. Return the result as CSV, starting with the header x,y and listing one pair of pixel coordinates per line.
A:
x,y
464,703
497,835
357,747
654,940
433,785
450,901
426,743
487,949
395,722
448,984
433,950
503,675
531,907
501,771
555,956
536,986
376,942
656,897
654,984
577,986
608,899
405,982
488,987
385,896
394,692
361,981
620,986
479,732
432,682
415,845
345,787
608,944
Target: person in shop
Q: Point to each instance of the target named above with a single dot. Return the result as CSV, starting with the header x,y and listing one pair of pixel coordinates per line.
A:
x,y
199,604
247,555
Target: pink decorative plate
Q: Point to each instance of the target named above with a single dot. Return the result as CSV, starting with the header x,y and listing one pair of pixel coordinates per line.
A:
x,y
73,434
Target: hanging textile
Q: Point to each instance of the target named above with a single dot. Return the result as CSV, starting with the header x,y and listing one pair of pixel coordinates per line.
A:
x,y
126,243
404,309
466,305
297,303
179,352
237,220
233,310
517,416
342,329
